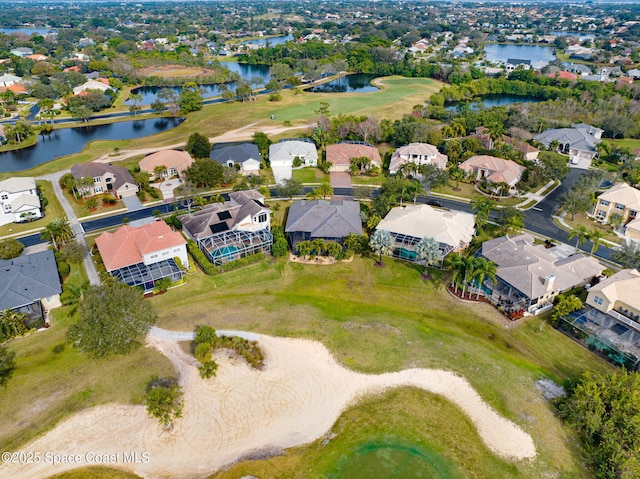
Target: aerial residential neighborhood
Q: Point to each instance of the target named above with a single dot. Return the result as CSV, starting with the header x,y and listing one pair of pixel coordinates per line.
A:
x,y
292,239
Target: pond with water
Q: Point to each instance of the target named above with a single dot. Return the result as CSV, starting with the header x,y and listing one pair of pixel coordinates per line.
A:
x,y
272,42
358,82
539,55
391,460
495,100
67,141
246,71
27,31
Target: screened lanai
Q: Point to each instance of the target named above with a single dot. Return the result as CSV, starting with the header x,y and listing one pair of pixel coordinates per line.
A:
x,y
232,245
145,276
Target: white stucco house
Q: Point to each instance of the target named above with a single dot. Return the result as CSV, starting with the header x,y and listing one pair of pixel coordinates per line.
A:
x,y
19,200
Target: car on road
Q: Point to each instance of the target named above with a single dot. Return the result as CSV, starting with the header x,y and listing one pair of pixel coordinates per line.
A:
x,y
435,203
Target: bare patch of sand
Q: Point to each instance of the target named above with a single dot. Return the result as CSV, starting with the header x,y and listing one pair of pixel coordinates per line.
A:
x,y
294,400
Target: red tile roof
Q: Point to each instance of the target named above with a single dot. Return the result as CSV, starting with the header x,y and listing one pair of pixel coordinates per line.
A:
x,y
341,153
127,245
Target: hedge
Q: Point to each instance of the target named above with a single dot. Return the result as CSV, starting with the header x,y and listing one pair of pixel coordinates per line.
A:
x,y
210,268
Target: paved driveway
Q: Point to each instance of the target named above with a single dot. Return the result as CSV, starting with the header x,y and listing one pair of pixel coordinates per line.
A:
x,y
281,172
340,179
132,203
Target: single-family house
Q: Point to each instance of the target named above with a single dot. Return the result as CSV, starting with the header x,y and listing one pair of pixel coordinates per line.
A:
x,y
418,154
142,255
610,321
174,162
30,284
453,230
21,52
283,154
7,80
514,63
578,142
529,276
231,230
328,220
114,180
528,152
245,155
341,154
620,204
19,200
494,170
634,73
99,84
3,138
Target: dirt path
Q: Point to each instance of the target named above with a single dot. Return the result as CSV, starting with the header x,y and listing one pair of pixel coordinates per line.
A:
x,y
241,134
296,399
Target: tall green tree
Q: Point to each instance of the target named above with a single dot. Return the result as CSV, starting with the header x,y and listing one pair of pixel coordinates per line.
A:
x,y
381,243
482,207
164,400
484,269
428,250
205,173
198,146
627,254
581,234
595,236
511,220
289,188
263,142
113,320
57,231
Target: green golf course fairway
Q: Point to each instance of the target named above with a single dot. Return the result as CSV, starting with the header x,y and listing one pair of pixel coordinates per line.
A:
x,y
388,459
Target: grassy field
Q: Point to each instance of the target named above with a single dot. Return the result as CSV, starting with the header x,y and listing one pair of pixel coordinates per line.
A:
x,y
395,99
53,210
96,473
376,320
52,380
631,143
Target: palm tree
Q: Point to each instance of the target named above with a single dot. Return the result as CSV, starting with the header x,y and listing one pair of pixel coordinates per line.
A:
x,y
457,265
428,250
319,246
57,231
136,98
12,323
581,234
484,269
381,243
304,248
596,236
470,264
457,175
482,207
325,189
334,249
74,294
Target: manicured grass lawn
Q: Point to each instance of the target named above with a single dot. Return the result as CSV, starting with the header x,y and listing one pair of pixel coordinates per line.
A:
x,y
81,210
581,219
309,175
367,180
386,319
96,473
52,211
53,380
466,190
631,143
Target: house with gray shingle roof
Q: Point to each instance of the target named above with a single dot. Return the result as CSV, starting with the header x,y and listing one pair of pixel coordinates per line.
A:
x,y
580,141
231,230
529,275
30,284
19,200
246,155
114,180
329,220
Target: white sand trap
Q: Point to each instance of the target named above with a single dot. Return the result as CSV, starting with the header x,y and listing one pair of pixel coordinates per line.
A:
x,y
296,399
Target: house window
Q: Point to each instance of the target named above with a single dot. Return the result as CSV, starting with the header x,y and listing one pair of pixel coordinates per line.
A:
x,y
7,208
604,202
97,189
597,300
5,196
262,217
153,256
632,214
601,213
108,180
97,179
619,206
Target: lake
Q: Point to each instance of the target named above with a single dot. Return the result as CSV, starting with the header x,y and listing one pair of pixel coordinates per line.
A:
x,y
495,100
358,82
245,70
539,56
272,42
27,31
67,141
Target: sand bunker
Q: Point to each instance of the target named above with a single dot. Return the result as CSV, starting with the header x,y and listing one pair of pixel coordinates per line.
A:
x,y
295,400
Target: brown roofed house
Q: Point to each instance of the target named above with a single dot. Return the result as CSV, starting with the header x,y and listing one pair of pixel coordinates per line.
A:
x,y
175,163
340,155
494,170
115,180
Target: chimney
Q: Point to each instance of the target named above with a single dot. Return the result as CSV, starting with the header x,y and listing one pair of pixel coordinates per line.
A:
x,y
549,281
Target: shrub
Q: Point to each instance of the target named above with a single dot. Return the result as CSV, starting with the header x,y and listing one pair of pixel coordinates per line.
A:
x,y
153,192
162,285
297,162
203,352
275,97
208,369
142,196
63,269
10,248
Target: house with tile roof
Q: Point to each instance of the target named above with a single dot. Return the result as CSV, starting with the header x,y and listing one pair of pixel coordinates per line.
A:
x,y
30,284
231,230
494,170
109,179
19,200
418,154
529,276
340,154
620,204
7,80
245,155
528,152
175,163
453,230
99,84
579,141
328,220
140,256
